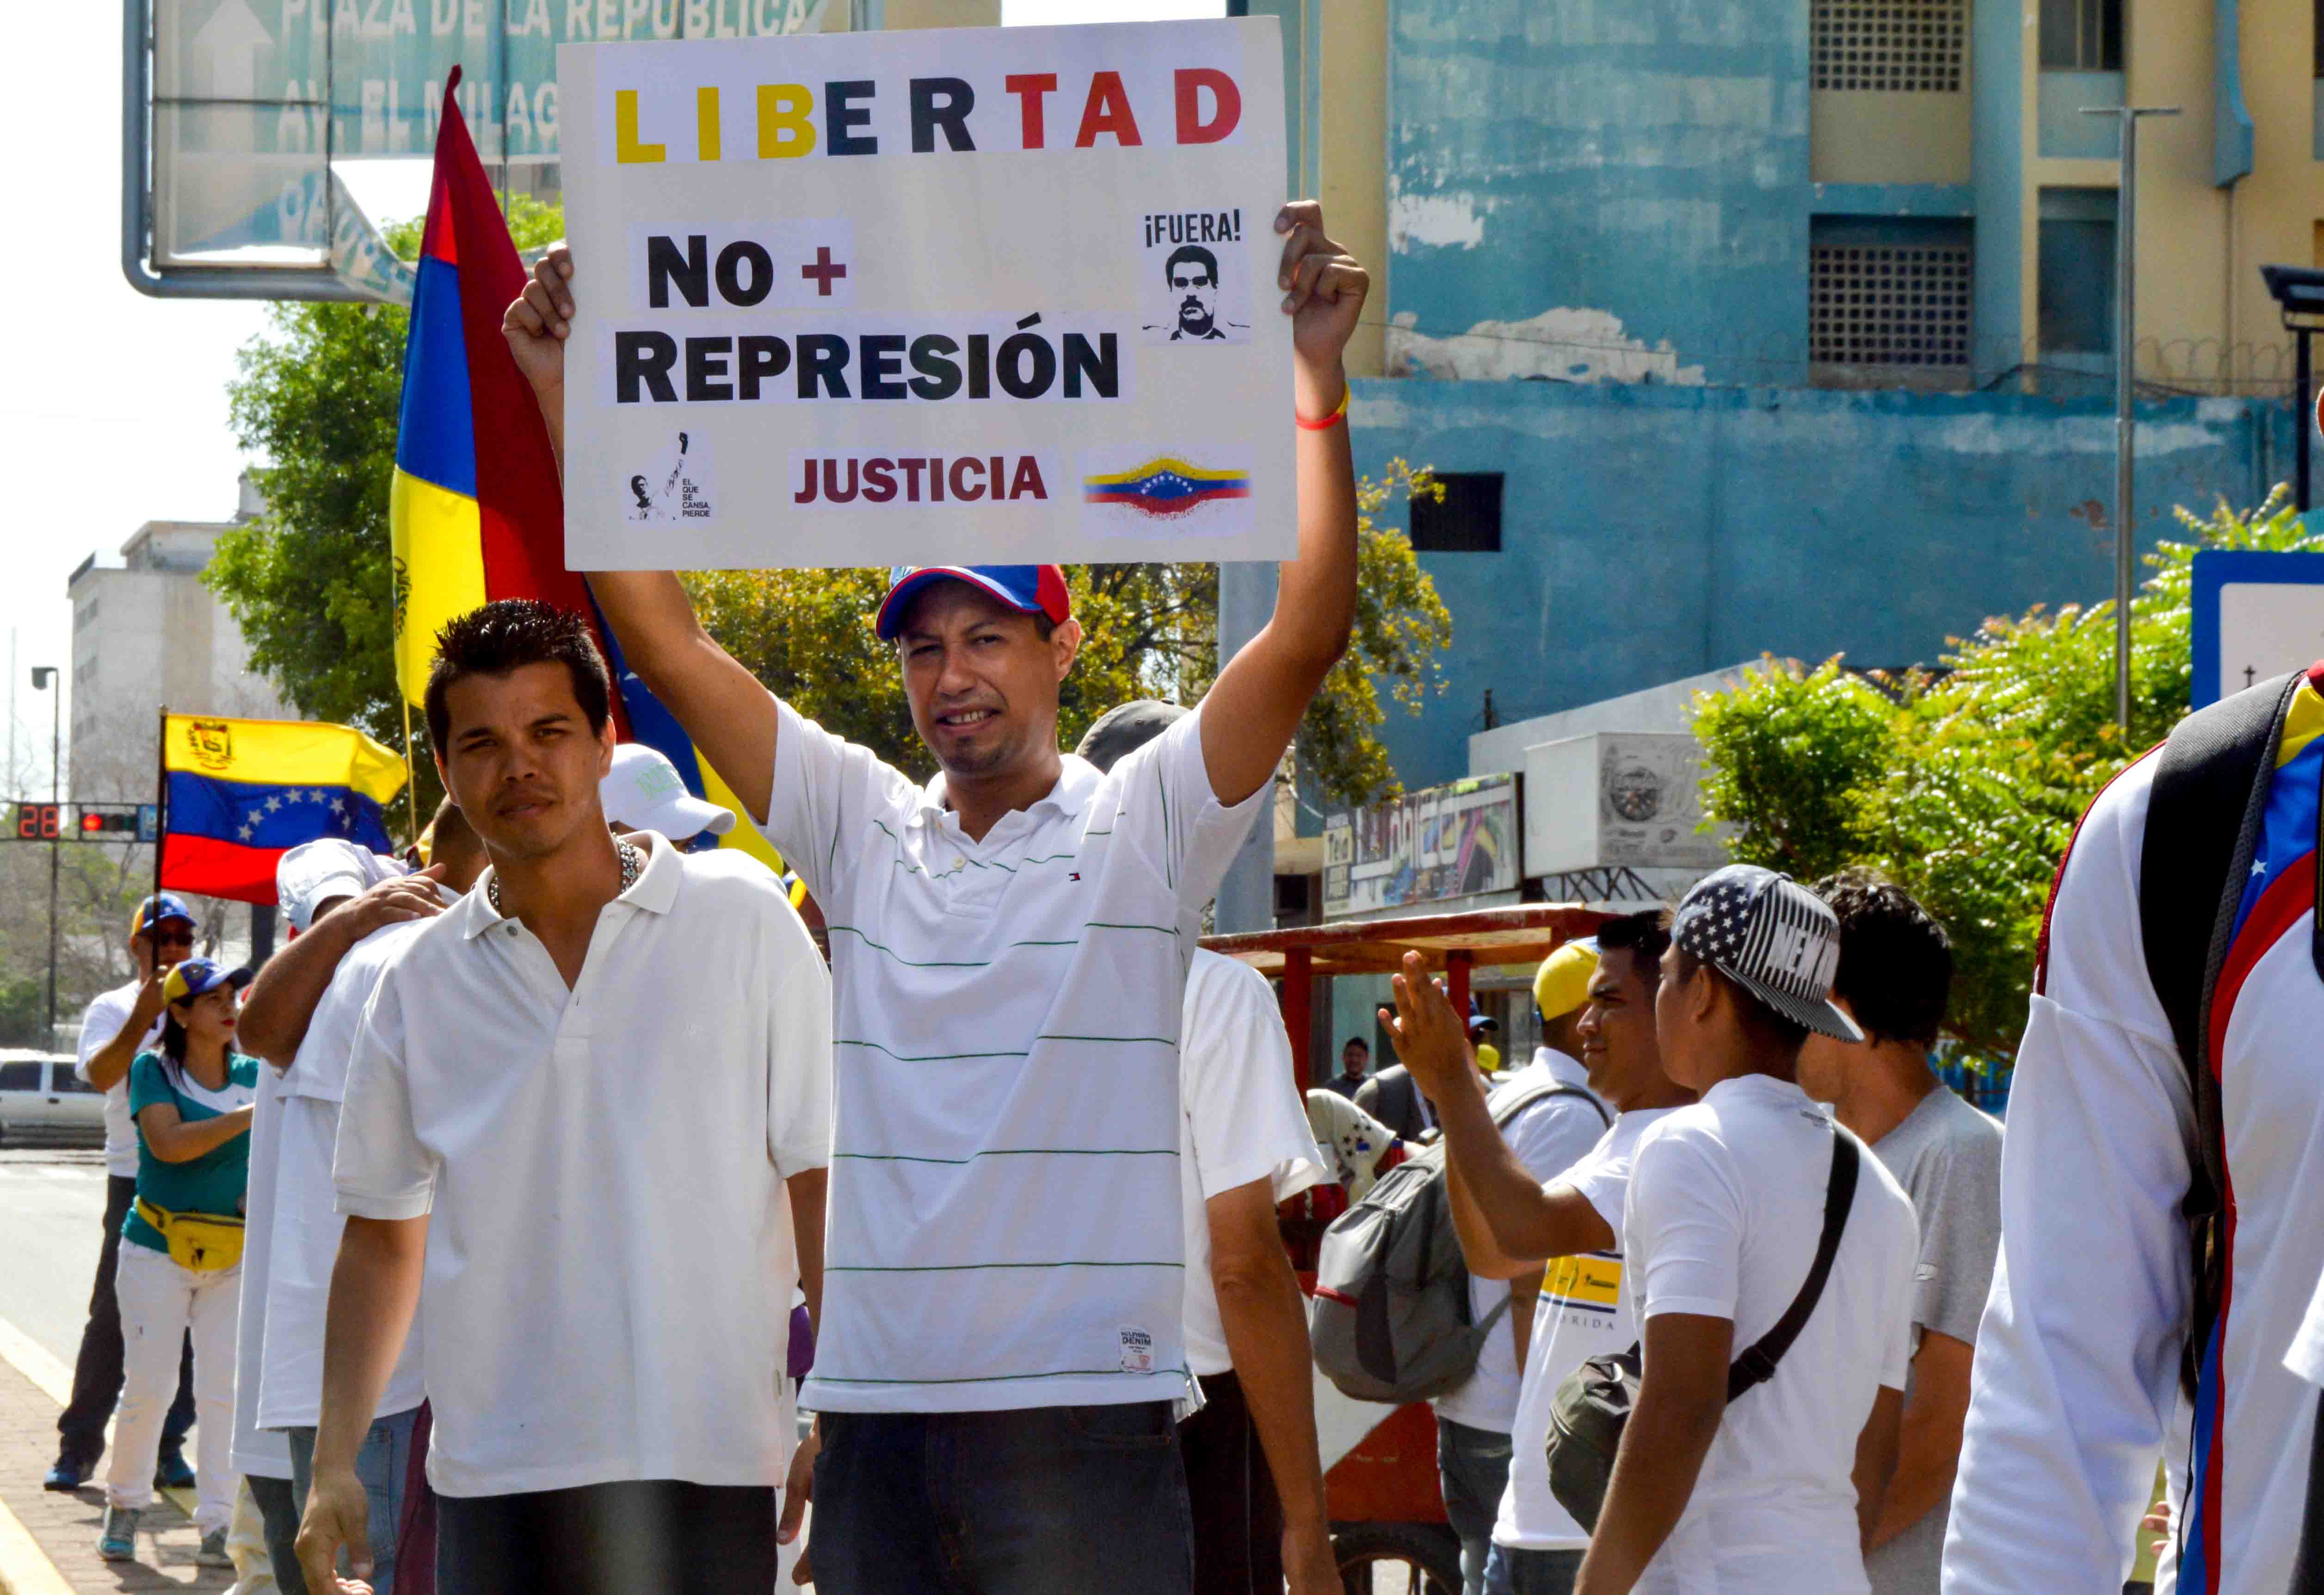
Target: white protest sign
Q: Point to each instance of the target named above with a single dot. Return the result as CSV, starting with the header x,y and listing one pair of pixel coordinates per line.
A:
x,y
991,295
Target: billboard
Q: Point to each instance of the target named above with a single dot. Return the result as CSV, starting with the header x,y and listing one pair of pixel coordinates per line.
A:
x,y
1455,840
1630,799
255,107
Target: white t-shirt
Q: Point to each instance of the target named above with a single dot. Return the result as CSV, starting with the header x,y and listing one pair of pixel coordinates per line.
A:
x,y
1547,1136
610,1259
260,1453
1243,1121
307,1221
1007,1083
2306,1357
1724,1210
1584,1312
106,1013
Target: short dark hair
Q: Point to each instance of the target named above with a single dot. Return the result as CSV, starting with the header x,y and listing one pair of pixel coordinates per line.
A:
x,y
1644,937
1762,1023
1355,1041
1895,961
1191,251
502,637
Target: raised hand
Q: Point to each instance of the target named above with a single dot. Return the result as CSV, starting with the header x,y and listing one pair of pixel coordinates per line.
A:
x,y
1324,288
539,320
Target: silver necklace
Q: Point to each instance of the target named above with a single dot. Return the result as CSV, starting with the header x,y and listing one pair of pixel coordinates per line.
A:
x,y
632,861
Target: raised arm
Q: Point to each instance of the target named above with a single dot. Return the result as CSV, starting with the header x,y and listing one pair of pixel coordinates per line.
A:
x,y
106,1065
1508,1225
723,707
1257,702
282,998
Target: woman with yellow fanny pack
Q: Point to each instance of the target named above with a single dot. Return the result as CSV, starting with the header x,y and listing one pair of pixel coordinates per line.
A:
x,y
181,1251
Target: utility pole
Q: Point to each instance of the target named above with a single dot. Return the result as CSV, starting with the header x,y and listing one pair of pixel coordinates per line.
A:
x,y
44,676
2125,351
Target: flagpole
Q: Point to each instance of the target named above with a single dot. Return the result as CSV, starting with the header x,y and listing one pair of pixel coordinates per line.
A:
x,y
411,779
161,797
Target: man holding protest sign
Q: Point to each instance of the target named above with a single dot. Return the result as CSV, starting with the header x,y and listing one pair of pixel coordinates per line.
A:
x,y
1009,944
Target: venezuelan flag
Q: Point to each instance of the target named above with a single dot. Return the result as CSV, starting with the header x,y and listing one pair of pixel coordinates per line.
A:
x,y
476,512
1166,487
238,793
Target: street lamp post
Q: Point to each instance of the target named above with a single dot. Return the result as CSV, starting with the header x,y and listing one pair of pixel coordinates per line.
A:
x,y
2299,295
2125,348
44,679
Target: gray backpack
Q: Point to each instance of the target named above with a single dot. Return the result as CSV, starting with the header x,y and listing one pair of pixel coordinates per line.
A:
x,y
1390,1319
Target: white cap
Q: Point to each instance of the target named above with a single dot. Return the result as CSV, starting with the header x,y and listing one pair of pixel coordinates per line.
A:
x,y
314,873
644,791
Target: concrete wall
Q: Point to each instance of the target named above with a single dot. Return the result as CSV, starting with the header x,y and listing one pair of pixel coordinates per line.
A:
x,y
1651,532
1599,188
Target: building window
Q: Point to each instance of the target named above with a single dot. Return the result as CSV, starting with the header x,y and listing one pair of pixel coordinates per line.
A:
x,y
1466,521
2082,35
2074,279
1890,46
1888,303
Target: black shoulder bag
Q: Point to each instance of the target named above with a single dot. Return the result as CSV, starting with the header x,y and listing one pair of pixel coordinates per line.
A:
x,y
1592,1405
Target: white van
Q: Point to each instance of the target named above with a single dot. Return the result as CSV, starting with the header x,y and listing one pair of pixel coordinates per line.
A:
x,y
42,1098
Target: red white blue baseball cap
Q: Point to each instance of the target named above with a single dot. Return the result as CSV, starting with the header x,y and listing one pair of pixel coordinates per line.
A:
x,y
1029,589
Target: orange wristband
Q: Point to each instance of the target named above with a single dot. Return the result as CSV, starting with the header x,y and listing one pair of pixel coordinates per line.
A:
x,y
1329,421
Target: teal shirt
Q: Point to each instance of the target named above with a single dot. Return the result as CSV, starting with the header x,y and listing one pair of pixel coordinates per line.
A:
x,y
213,1182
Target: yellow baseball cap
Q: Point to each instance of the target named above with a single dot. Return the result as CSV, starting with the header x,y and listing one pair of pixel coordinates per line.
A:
x,y
1562,984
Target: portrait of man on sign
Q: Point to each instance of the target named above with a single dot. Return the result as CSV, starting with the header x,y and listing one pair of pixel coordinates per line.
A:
x,y
1193,272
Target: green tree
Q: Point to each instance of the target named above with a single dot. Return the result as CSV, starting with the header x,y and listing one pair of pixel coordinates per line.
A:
x,y
1965,787
310,581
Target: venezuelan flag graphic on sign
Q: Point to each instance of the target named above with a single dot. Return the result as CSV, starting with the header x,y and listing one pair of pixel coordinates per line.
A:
x,y
239,793
478,513
1166,487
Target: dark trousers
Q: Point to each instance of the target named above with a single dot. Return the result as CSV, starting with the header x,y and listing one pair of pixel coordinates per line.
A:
x,y
1238,1517
1472,1466
97,1371
1510,1571
635,1537
277,1509
1046,1501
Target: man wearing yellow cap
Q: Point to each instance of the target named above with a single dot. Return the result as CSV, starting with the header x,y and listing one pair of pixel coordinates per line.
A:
x,y
1549,1119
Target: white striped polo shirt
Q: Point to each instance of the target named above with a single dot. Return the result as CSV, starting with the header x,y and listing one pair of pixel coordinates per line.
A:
x,y
1003,1222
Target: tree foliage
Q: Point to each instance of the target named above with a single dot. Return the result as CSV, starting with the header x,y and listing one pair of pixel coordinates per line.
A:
x,y
1151,631
1964,786
309,583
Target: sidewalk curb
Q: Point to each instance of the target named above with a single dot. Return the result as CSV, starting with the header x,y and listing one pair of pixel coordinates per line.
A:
x,y
24,1568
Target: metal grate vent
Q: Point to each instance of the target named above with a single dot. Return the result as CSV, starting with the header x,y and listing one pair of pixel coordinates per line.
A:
x,y
1888,305
1898,47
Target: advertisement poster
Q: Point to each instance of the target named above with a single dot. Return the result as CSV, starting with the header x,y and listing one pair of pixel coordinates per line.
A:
x,y
1453,840
942,297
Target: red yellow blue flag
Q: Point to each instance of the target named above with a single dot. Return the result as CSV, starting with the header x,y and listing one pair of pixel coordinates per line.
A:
x,y
478,513
237,794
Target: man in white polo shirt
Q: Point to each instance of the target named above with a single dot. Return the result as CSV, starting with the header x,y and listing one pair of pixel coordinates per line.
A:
x,y
588,1104
1010,946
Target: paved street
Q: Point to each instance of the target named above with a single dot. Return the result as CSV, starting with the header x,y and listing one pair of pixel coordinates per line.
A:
x,y
50,1201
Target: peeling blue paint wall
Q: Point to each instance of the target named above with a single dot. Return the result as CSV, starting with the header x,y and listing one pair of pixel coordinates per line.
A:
x,y
1645,158
1651,532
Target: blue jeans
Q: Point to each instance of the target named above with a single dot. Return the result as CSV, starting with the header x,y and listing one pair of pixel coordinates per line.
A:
x,y
1509,1571
380,1462
1473,1465
1046,1500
